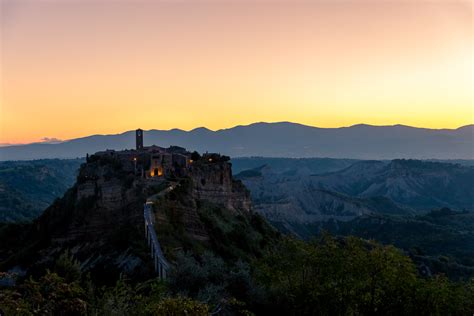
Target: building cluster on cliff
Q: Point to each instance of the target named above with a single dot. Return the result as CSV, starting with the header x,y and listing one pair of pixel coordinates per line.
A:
x,y
154,162
210,174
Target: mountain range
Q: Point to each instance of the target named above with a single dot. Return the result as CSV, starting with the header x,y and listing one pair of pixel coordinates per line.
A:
x,y
282,139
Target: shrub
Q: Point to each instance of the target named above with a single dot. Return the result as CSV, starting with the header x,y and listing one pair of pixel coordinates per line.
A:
x,y
180,306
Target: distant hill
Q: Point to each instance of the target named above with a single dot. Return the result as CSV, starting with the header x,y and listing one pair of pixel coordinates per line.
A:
x,y
277,140
291,165
389,201
288,197
27,188
290,191
421,185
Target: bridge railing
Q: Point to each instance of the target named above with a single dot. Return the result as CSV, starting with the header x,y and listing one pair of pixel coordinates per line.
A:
x,y
160,263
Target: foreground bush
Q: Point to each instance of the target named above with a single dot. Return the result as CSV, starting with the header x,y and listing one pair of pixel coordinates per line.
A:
x,y
327,276
354,277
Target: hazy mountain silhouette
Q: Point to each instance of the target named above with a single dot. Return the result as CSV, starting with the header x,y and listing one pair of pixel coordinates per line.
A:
x,y
277,140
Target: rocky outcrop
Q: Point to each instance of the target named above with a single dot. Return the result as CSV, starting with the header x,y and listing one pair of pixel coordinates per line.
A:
x,y
98,220
103,198
213,182
209,184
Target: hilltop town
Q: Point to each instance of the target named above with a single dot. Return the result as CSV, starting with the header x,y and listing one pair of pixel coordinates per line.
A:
x,y
149,166
101,217
157,163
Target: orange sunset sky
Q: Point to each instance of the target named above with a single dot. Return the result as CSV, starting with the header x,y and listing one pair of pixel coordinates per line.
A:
x,y
74,68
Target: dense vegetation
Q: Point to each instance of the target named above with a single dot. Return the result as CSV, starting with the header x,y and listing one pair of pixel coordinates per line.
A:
x,y
231,236
442,240
326,276
28,187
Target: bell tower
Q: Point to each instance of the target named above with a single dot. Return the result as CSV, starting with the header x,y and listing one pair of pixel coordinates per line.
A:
x,y
139,139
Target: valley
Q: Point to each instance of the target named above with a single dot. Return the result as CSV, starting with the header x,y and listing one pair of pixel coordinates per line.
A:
x,y
229,229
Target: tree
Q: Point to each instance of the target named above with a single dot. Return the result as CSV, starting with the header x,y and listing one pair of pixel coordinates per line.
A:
x,y
68,267
337,277
51,294
180,306
195,156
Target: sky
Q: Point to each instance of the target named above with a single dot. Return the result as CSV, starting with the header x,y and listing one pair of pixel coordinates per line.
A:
x,y
73,68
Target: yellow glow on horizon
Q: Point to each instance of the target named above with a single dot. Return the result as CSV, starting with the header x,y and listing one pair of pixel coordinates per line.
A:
x,y
80,68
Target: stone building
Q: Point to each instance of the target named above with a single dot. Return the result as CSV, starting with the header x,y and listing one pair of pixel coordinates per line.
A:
x,y
139,139
155,162
158,162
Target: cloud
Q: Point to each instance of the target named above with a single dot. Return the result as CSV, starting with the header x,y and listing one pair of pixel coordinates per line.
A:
x,y
51,140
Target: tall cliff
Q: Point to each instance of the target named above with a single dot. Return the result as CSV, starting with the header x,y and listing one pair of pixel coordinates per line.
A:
x,y
100,219
213,182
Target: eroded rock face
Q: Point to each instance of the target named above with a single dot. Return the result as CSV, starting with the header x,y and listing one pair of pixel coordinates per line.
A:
x,y
96,219
213,182
86,190
207,184
103,200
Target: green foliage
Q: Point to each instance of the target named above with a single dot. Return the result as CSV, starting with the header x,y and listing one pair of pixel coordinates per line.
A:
x,y
327,276
171,231
54,295
149,298
234,236
50,295
440,296
347,277
209,279
29,187
68,267
179,306
440,233
122,299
